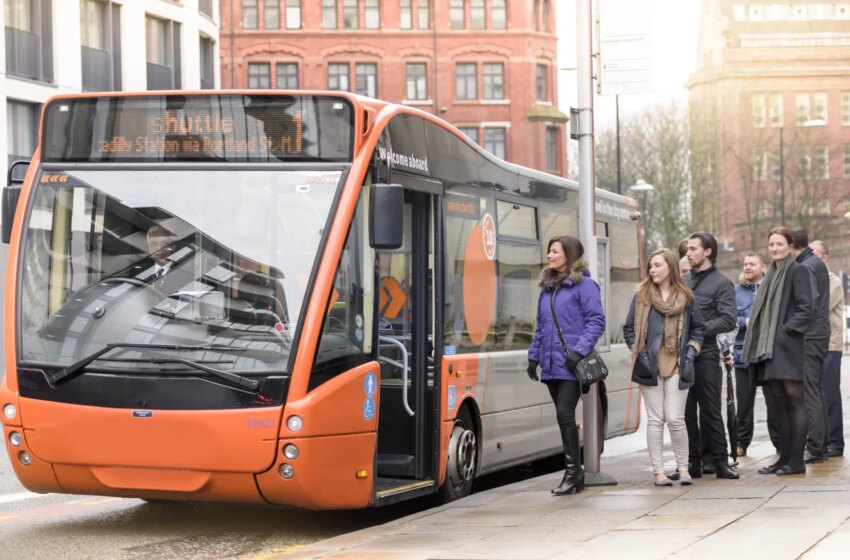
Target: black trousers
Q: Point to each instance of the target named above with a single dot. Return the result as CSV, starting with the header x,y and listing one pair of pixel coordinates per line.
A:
x,y
707,426
745,397
813,394
832,398
565,395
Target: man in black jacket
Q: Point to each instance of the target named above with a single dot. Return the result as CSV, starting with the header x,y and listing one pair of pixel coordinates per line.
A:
x,y
817,345
715,295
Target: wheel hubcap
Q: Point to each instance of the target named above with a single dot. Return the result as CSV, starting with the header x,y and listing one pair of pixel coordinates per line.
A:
x,y
462,455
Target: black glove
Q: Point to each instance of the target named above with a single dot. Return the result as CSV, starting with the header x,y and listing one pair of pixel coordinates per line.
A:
x,y
532,370
688,373
646,370
573,358
690,353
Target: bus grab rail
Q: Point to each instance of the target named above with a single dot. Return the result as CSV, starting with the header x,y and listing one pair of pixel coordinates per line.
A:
x,y
404,361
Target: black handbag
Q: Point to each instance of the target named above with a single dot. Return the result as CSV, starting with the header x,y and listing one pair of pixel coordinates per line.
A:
x,y
590,369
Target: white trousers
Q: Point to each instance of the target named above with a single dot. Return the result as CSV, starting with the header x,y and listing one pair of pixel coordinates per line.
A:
x,y
665,403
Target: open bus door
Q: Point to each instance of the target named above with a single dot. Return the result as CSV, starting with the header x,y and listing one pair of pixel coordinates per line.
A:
x,y
407,353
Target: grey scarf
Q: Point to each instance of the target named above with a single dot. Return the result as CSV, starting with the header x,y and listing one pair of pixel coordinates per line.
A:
x,y
764,319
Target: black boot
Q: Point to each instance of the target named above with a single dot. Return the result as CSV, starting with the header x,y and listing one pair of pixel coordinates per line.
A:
x,y
573,480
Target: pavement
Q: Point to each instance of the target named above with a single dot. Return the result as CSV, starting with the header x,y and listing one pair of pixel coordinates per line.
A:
x,y
758,516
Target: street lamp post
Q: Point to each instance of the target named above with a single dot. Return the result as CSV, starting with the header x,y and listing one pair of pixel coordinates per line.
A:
x,y
643,187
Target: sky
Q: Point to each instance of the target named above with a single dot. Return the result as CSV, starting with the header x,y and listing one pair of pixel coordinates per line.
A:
x,y
675,28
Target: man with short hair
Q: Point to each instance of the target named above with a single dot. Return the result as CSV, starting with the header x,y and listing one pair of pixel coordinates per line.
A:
x,y
752,274
831,377
715,295
817,344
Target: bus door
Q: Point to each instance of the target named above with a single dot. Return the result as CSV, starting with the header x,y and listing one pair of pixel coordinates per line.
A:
x,y
407,355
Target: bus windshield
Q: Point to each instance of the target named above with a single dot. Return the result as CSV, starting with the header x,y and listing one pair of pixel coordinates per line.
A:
x,y
170,257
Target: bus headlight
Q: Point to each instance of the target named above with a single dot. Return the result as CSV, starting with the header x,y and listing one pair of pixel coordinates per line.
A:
x,y
15,439
290,451
294,423
24,458
286,471
10,411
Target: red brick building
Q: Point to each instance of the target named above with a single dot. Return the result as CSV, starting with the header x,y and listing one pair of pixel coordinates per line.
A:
x,y
770,122
494,75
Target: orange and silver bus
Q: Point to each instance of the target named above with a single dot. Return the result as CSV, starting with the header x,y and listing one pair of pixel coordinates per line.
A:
x,y
311,299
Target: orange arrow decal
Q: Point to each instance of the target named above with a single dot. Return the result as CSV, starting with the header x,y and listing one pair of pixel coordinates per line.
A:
x,y
392,298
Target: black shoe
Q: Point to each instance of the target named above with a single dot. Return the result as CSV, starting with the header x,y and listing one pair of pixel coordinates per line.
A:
x,y
771,469
695,470
785,470
834,452
809,458
725,471
573,480
708,468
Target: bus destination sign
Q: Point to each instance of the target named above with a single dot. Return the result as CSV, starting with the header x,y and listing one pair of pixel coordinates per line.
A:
x,y
229,128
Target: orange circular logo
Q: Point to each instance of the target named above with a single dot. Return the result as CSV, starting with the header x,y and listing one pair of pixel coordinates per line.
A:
x,y
488,231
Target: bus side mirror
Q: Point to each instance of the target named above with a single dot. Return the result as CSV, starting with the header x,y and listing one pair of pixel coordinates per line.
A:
x,y
11,195
386,216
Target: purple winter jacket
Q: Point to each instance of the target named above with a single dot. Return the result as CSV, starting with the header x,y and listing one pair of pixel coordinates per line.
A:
x,y
582,320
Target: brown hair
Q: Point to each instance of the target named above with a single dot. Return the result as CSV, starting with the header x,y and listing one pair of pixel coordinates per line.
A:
x,y
677,284
683,248
572,247
784,232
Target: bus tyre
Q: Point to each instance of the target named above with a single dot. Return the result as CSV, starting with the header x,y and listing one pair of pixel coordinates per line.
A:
x,y
462,462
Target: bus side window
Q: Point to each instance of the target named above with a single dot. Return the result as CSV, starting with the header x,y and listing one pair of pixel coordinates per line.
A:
x,y
346,339
624,274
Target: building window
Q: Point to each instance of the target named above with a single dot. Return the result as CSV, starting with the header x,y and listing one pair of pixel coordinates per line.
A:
x,y
366,79
207,47
100,34
819,105
775,110
472,133
759,111
493,80
760,164
541,82
494,141
162,45
372,14
29,39
338,76
456,14
287,75
271,14
545,16
477,14
805,162
424,14
552,148
350,15
405,14
535,15
329,14
846,161
259,76
249,14
498,15
206,7
417,81
804,112
21,129
821,170
845,109
293,14
466,81
775,165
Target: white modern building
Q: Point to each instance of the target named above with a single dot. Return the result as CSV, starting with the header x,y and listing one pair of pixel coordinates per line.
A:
x,y
53,47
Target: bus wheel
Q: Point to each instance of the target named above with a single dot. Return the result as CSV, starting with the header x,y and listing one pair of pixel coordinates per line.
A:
x,y
462,460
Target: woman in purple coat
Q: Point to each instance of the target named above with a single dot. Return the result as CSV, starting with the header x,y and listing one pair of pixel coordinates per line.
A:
x,y
566,284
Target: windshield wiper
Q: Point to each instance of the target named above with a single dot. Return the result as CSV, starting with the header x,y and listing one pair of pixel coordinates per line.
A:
x,y
242,381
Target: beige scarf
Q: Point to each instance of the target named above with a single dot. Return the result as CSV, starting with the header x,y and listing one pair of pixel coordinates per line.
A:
x,y
672,311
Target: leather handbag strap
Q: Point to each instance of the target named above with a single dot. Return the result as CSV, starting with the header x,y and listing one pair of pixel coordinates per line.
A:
x,y
557,324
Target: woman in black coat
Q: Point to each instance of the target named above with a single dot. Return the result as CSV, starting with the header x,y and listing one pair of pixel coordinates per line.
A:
x,y
774,347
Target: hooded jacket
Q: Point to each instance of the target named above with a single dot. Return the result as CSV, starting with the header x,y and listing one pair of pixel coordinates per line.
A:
x,y
578,305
